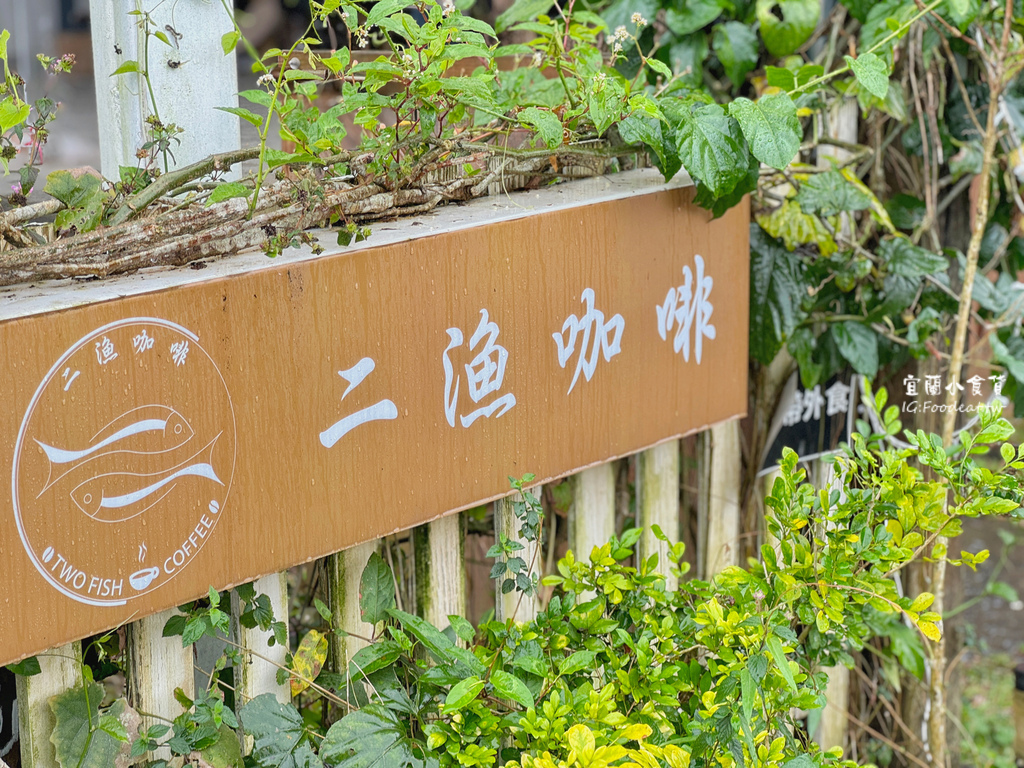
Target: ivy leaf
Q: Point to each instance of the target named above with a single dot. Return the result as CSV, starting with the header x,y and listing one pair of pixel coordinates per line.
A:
x,y
692,15
373,737
308,660
76,742
871,72
547,125
735,44
712,149
829,193
376,590
461,694
787,24
770,126
776,290
511,687
858,344
279,737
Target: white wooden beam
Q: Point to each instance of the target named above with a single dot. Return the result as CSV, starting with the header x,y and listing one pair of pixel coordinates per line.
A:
x,y
190,77
439,550
257,672
657,502
60,669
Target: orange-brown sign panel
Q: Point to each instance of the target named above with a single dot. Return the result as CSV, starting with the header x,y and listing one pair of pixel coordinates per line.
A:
x,y
214,432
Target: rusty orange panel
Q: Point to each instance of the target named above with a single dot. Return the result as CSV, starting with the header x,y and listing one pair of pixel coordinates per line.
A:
x,y
210,433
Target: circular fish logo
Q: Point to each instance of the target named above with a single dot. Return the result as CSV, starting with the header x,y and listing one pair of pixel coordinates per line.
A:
x,y
124,461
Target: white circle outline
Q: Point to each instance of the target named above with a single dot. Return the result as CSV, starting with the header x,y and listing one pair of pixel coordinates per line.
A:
x,y
24,425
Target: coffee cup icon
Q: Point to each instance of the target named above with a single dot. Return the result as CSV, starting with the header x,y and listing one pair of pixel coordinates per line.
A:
x,y
142,579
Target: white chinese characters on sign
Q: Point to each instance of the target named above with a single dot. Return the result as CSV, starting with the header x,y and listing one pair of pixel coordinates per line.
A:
x,y
179,351
143,342
933,385
485,373
595,337
384,410
105,351
806,406
688,307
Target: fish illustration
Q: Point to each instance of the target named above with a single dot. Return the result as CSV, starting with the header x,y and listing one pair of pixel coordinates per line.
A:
x,y
145,429
118,496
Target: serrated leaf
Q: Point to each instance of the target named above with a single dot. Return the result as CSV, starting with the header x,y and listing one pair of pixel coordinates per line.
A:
x,y
376,590
904,258
829,193
461,694
871,72
373,737
279,736
712,148
547,125
770,126
511,687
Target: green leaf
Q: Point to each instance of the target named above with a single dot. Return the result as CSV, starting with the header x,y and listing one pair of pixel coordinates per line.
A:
x,y
779,656
577,661
308,660
26,667
383,8
520,10
373,737
249,117
735,44
797,228
279,737
904,258
78,740
463,629
433,639
376,590
126,68
770,126
691,15
858,344
776,290
829,193
12,114
511,687
747,692
712,148
461,694
229,40
479,88
871,72
658,136
226,752
787,24
83,196
227,191
547,125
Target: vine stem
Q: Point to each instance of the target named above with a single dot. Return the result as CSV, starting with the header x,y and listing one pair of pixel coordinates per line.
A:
x,y
937,684
898,32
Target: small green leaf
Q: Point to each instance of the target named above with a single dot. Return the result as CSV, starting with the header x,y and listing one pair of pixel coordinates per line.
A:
x,y
547,125
520,10
245,114
229,40
126,68
461,694
227,191
578,661
871,72
26,667
463,629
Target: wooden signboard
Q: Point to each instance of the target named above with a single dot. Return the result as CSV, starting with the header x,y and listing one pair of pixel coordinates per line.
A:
x,y
225,428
